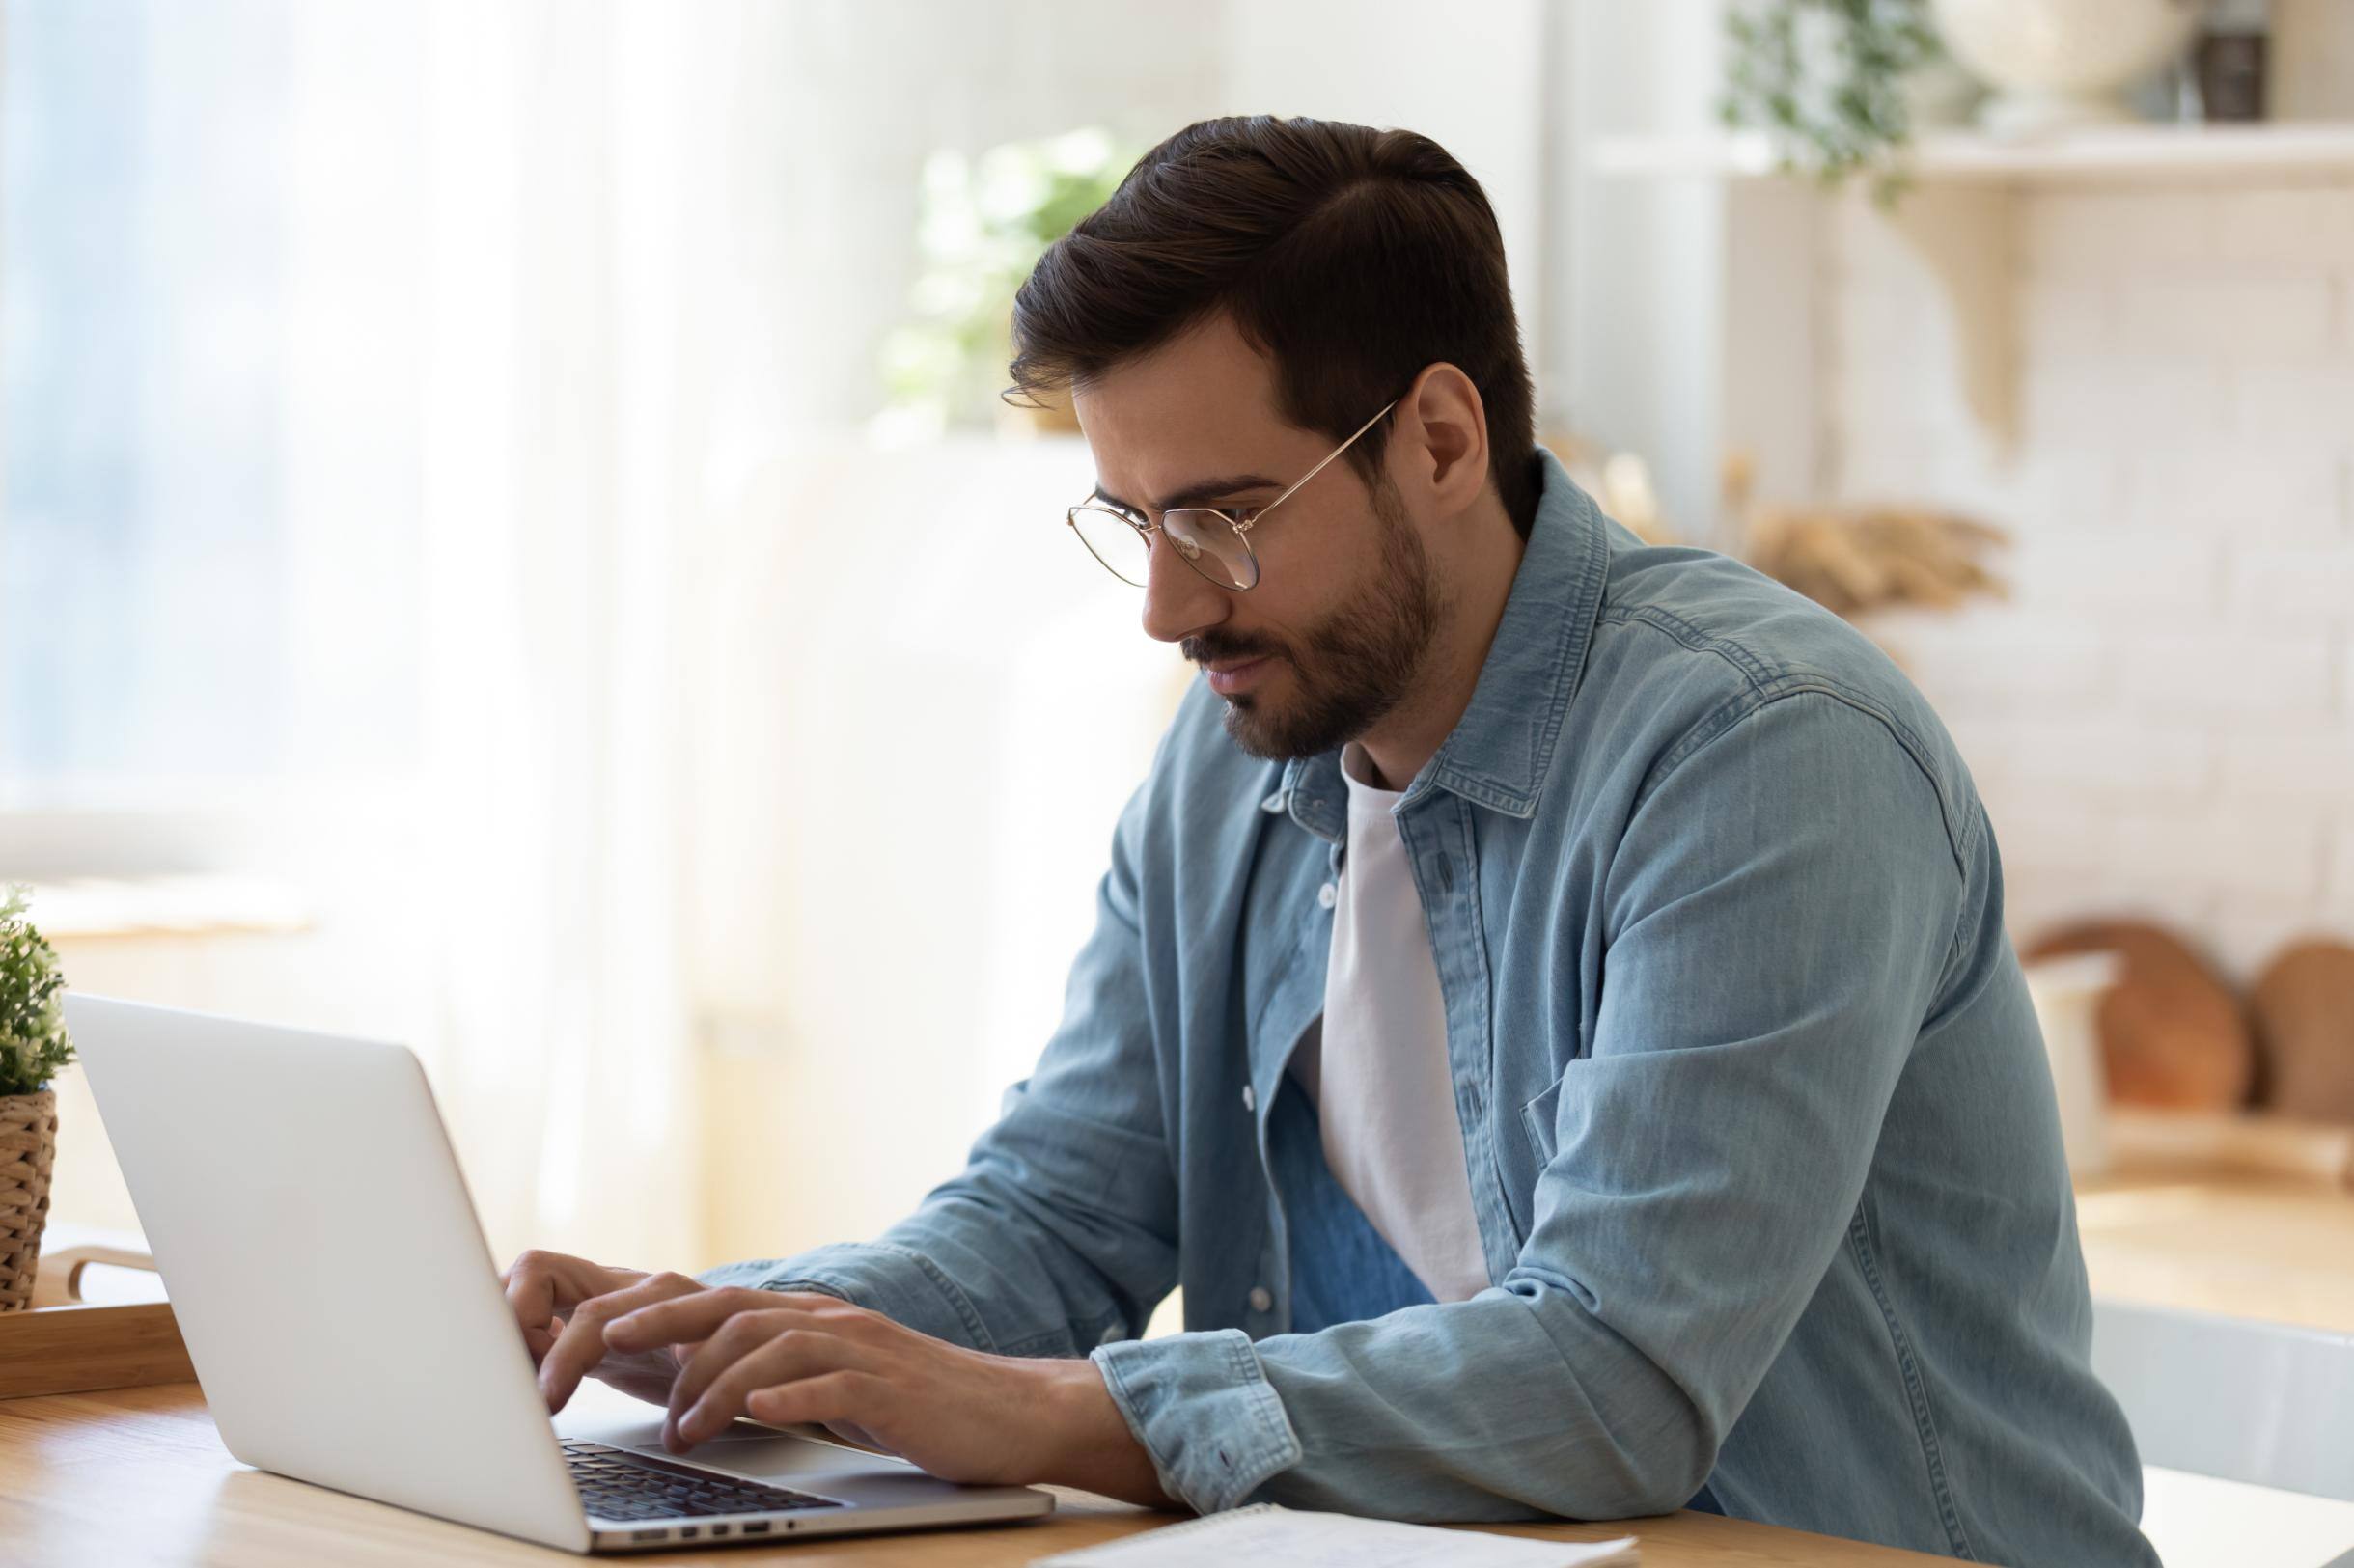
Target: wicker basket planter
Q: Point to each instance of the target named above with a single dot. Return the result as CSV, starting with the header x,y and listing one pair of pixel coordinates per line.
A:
x,y
28,1147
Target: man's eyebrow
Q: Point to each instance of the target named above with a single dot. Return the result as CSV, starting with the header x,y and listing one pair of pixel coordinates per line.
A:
x,y
1194,495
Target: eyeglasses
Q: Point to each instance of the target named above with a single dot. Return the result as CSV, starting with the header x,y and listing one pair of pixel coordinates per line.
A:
x,y
1212,542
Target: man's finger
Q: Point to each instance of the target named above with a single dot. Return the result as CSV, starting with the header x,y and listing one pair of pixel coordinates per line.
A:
x,y
749,1350
690,1319
795,1361
581,1346
848,1398
540,1284
539,1340
848,1432
531,1289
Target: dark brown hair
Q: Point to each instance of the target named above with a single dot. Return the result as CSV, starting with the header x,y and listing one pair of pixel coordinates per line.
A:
x,y
1352,257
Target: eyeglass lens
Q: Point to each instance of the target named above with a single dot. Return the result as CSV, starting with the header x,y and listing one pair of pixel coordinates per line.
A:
x,y
1205,540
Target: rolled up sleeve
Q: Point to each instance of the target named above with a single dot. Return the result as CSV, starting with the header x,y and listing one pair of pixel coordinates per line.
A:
x,y
1202,1406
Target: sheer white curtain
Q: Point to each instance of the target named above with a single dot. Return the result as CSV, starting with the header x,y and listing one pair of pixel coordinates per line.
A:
x,y
572,205
769,769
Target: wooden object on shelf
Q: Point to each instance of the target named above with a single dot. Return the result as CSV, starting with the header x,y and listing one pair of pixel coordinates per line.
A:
x,y
1854,559
65,1345
2171,1034
2303,1006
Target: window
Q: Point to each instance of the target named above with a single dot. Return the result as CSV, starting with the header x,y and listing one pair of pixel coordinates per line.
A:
x,y
209,414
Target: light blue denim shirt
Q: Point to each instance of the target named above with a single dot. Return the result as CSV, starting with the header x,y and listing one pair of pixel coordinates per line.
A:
x,y
1756,1114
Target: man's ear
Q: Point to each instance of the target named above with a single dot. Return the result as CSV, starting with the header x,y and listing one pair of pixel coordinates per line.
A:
x,y
1440,436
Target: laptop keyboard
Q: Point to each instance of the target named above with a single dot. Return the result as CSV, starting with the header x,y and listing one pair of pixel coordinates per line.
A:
x,y
615,1484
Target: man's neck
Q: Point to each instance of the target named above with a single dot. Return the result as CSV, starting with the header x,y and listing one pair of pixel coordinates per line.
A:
x,y
1411,733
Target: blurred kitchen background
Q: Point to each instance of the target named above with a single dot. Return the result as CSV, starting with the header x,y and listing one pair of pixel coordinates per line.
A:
x,y
508,541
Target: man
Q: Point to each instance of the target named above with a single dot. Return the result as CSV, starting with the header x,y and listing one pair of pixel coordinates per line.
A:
x,y
1550,1007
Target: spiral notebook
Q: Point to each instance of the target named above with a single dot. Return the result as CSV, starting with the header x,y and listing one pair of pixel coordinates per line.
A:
x,y
1268,1536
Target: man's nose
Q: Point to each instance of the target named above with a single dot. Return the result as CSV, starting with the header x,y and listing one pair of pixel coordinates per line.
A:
x,y
1178,600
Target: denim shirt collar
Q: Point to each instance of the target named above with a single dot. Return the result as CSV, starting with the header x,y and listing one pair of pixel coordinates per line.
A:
x,y
1501,751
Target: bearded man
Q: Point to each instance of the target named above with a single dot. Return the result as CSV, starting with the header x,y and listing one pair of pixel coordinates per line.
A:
x,y
1550,1008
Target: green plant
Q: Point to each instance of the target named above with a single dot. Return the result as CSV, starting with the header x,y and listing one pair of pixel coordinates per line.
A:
x,y
982,225
1825,80
33,1039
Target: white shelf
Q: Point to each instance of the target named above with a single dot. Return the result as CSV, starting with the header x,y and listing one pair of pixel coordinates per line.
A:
x,y
168,906
2129,152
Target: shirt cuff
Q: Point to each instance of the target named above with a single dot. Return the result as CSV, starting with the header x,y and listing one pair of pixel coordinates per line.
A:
x,y
1203,1408
905,1286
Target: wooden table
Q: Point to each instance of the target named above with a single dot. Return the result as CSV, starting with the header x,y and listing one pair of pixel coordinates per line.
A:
x,y
2271,1247
138,1475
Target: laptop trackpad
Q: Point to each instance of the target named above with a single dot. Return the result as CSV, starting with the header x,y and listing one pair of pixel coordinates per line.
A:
x,y
779,1457
601,1413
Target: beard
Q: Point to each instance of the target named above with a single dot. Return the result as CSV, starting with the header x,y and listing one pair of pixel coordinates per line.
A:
x,y
1357,663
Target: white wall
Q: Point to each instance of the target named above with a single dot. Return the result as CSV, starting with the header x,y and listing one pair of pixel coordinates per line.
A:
x,y
1472,79
2162,717
1639,364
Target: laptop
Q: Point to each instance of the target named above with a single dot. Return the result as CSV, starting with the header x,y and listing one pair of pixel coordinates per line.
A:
x,y
348,1326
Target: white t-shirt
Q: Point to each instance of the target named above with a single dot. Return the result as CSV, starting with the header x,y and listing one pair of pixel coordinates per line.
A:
x,y
1379,1071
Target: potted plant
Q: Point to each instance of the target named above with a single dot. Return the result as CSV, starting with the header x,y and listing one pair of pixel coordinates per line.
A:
x,y
33,1047
984,224
1836,84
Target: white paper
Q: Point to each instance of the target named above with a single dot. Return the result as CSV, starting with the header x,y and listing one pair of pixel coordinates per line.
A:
x,y
1268,1536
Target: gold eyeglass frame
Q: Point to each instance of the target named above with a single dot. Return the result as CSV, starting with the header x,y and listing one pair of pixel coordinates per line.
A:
x,y
1191,552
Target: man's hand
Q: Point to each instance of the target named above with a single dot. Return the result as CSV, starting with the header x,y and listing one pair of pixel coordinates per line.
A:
x,y
562,1304
961,1414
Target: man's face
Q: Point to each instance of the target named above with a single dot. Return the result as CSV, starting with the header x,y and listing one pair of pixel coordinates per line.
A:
x,y
1339,625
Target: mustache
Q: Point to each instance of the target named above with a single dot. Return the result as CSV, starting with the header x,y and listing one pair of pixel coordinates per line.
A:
x,y
1222,650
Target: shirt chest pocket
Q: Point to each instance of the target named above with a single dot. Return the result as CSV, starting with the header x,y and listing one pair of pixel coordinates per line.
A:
x,y
1524,1164
1538,1125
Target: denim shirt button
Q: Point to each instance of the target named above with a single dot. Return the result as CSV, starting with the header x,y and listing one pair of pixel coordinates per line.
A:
x,y
1261,1299
1327,895
1250,1098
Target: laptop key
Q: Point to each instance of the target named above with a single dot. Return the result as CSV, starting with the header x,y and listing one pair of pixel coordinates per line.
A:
x,y
610,1480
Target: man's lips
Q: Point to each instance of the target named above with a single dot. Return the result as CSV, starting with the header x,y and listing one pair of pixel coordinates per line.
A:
x,y
1228,675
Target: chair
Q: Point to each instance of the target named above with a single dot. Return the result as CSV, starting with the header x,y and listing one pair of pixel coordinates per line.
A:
x,y
2266,1403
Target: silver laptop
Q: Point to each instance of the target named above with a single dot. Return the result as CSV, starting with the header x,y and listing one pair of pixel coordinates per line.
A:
x,y
347,1323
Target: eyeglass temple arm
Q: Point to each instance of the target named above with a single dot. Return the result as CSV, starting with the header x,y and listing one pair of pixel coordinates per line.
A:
x,y
1334,452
